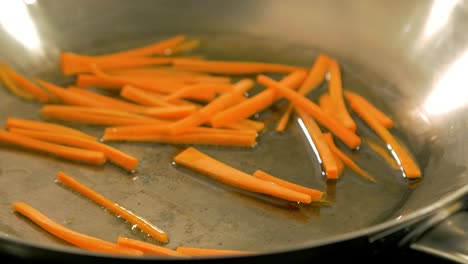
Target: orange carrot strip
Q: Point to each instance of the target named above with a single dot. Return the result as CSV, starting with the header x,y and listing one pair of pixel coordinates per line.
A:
x,y
116,156
379,115
27,85
315,194
257,103
206,112
65,96
170,111
183,47
103,111
315,76
326,155
112,206
326,104
335,90
73,237
346,160
300,101
143,97
13,122
71,153
196,160
408,164
147,248
91,80
200,91
232,67
158,48
384,153
191,251
12,87
252,124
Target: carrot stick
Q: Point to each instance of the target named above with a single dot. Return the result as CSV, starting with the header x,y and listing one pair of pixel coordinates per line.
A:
x,y
12,87
326,155
184,47
384,153
232,67
220,171
335,90
73,237
206,112
71,153
257,103
407,163
91,80
158,48
191,251
13,122
200,91
112,206
315,194
27,85
143,97
102,111
326,104
346,160
386,121
300,101
116,156
170,111
147,248
66,97
251,124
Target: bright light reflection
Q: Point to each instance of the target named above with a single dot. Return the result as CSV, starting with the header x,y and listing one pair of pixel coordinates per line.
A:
x,y
309,138
439,16
15,19
450,91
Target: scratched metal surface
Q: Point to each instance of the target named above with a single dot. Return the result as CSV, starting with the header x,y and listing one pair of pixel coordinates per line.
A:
x,y
191,208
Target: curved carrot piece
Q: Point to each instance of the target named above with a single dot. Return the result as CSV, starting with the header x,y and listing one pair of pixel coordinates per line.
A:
x,y
409,165
12,87
383,152
335,90
118,157
71,153
142,223
13,122
192,251
78,239
385,120
315,194
27,85
147,248
257,103
346,135
196,160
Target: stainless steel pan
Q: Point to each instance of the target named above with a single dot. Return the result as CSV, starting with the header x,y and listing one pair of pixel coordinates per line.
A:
x,y
407,56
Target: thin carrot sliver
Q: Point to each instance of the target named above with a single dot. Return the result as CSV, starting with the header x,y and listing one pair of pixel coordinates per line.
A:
x,y
315,76
147,248
206,112
192,251
71,153
252,124
12,87
315,194
112,206
335,90
384,119
91,80
27,85
326,104
257,103
383,152
103,111
183,47
196,160
67,97
326,155
407,163
199,91
13,122
180,111
73,237
143,97
114,155
346,160
346,135
232,67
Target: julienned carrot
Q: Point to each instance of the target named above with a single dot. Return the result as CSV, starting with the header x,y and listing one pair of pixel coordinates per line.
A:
x,y
73,237
183,47
232,67
346,160
157,48
114,155
315,76
257,103
326,104
91,80
102,111
12,87
325,154
71,153
385,120
169,73
335,90
201,252
27,85
383,152
112,206
142,96
246,124
13,122
300,101
179,111
315,194
206,112
407,163
200,91
148,248
196,160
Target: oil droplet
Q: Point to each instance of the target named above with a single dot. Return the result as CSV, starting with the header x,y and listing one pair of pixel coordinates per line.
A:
x,y
173,163
135,178
134,227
